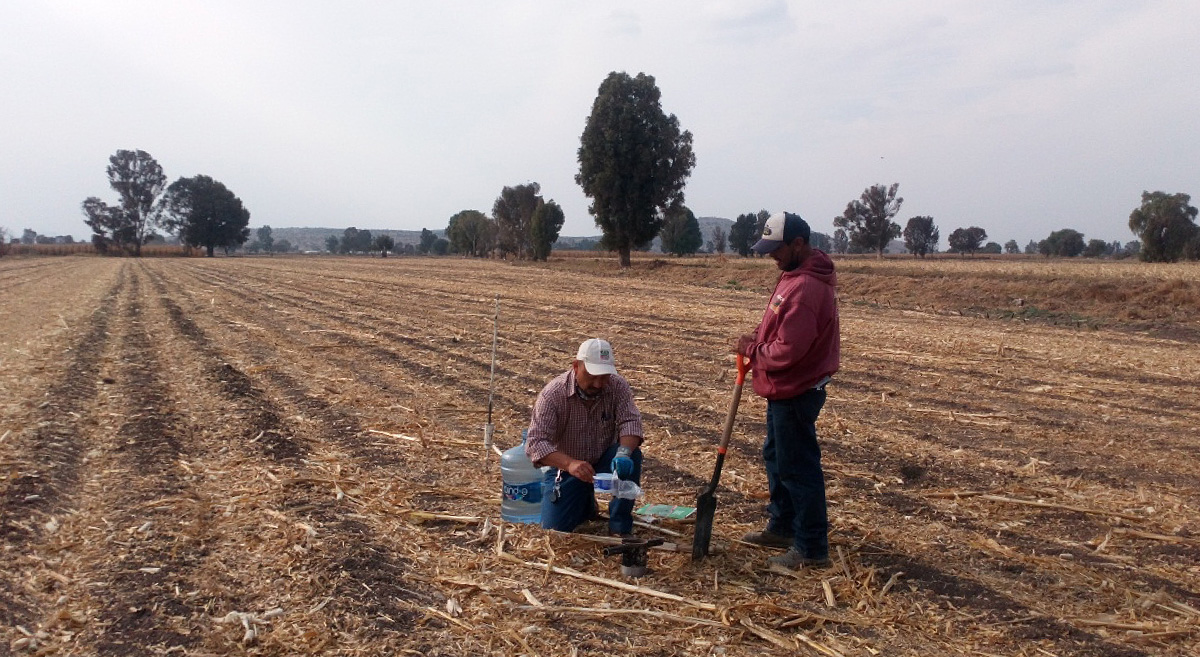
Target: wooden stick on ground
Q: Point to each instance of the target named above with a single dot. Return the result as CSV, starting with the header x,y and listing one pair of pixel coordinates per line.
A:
x,y
608,582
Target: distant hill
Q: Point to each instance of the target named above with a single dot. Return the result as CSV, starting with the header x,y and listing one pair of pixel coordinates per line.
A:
x,y
313,239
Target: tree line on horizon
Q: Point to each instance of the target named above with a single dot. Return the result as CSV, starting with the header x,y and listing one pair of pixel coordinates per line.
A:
x,y
634,161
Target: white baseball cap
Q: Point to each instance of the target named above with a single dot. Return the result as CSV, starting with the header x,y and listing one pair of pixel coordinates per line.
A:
x,y
781,228
597,357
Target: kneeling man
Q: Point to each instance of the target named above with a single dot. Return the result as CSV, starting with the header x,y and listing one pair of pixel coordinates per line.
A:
x,y
584,422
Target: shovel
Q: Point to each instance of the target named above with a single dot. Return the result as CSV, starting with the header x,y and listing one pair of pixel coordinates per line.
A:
x,y
706,501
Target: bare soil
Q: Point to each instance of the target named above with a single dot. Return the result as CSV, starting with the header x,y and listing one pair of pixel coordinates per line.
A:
x,y
270,456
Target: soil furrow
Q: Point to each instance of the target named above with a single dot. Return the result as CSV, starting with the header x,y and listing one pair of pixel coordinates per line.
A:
x,y
144,567
361,577
261,423
42,485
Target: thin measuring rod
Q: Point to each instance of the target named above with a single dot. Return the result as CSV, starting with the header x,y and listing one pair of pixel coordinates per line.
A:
x,y
492,381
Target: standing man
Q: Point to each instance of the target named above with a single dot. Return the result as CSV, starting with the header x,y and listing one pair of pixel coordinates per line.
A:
x,y
584,422
794,353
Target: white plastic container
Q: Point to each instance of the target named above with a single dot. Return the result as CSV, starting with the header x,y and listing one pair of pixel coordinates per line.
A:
x,y
522,486
602,482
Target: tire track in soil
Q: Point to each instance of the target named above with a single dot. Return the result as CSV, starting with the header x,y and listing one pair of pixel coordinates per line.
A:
x,y
347,431
139,580
263,423
367,578
52,456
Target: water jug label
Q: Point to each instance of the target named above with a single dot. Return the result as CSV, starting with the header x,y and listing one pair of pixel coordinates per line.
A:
x,y
531,492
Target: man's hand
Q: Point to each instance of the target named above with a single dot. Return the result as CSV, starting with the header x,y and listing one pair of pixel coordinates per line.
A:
x,y
622,463
744,343
581,470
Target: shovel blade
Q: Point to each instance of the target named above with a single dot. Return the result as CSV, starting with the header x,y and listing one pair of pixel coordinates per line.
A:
x,y
706,511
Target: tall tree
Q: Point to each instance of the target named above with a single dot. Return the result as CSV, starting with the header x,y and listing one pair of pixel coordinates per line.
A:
x,y
333,244
428,239
921,236
1011,247
1067,243
204,213
841,241
868,220
718,237
513,212
364,242
681,232
349,240
742,234
265,241
1095,248
138,180
544,225
633,161
967,240
471,233
1164,223
384,243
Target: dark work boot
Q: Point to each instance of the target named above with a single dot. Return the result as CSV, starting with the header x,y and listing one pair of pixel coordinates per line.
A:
x,y
768,539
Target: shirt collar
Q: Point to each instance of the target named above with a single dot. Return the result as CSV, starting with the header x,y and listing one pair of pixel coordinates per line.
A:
x,y
572,391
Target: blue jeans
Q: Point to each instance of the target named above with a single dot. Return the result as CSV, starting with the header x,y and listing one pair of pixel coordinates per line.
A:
x,y
794,476
577,500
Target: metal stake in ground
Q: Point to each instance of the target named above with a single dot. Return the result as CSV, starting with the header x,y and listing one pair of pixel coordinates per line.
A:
x,y
706,501
488,429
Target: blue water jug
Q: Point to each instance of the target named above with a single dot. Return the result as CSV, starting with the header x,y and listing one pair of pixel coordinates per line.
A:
x,y
522,485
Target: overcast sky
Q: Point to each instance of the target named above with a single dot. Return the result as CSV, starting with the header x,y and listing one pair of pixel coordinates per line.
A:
x,y
1021,117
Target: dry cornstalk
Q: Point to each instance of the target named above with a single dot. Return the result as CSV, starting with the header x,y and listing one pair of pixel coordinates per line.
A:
x,y
592,611
1064,507
767,635
771,637
888,586
1041,505
1115,625
608,582
830,601
421,516
616,540
521,640
1150,536
423,440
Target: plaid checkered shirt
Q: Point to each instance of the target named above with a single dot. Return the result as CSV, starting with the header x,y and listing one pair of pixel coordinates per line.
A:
x,y
563,422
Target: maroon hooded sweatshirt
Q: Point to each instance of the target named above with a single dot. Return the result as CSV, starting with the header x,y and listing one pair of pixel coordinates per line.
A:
x,y
798,341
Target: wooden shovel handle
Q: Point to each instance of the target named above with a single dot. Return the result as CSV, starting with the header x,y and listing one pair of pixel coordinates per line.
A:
x,y
743,366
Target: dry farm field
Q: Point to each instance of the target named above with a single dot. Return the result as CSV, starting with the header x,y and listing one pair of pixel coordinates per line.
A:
x,y
271,456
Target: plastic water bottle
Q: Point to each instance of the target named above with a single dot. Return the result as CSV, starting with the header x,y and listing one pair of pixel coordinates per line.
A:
x,y
627,490
522,485
606,485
